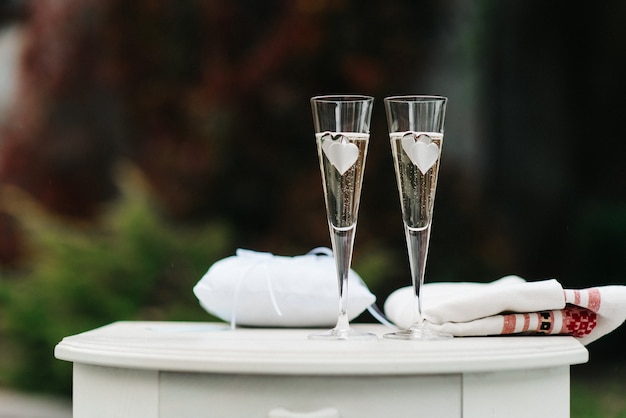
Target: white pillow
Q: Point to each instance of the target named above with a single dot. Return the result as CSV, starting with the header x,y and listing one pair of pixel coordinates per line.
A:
x,y
261,289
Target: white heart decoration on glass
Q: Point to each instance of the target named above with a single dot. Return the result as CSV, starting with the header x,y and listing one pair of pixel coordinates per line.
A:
x,y
421,150
341,153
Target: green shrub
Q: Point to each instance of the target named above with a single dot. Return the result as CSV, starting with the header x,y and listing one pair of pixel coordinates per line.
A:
x,y
133,265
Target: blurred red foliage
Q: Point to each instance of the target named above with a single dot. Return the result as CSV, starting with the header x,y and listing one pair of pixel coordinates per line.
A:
x,y
208,98
205,96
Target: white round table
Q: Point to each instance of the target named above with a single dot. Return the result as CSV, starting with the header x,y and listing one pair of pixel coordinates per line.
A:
x,y
191,369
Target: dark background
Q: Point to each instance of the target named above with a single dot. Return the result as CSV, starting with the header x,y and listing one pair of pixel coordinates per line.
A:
x,y
209,100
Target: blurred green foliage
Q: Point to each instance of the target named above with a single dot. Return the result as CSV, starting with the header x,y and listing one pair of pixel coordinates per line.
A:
x,y
593,401
132,265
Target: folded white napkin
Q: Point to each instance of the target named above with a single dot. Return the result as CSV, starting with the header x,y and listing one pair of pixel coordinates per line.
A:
x,y
261,289
512,305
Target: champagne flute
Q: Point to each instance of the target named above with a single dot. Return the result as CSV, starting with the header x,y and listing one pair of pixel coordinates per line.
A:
x,y
416,134
342,126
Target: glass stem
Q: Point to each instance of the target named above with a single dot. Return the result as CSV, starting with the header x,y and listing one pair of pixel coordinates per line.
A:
x,y
343,241
417,243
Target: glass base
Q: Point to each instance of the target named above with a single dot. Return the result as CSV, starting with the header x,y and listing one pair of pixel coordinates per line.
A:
x,y
419,334
342,334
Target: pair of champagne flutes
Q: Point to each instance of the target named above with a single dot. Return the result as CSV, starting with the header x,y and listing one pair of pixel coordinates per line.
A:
x,y
342,131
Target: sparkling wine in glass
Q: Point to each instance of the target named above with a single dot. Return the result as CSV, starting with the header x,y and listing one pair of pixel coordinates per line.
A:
x,y
342,125
416,134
